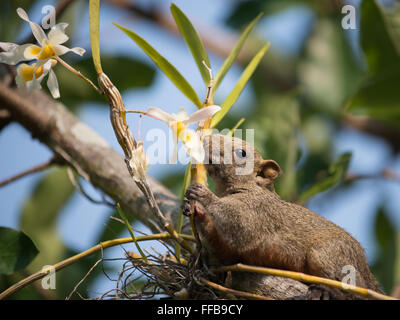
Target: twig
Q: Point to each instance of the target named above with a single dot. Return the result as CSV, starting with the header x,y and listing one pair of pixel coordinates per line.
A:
x,y
243,294
34,169
75,182
83,279
67,262
386,173
299,276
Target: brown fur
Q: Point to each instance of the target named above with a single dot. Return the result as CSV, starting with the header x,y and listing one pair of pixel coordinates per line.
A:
x,y
246,221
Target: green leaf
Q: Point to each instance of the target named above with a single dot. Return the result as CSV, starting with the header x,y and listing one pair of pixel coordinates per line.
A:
x,y
193,41
237,125
234,53
378,97
385,267
123,216
186,182
10,22
378,46
94,20
329,72
165,66
336,174
17,250
237,90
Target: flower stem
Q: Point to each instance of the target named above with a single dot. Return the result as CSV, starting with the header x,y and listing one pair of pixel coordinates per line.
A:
x,y
78,73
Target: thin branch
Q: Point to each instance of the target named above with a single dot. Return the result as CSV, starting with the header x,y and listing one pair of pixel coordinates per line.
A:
x,y
226,290
299,276
83,279
78,186
375,127
38,168
386,173
67,262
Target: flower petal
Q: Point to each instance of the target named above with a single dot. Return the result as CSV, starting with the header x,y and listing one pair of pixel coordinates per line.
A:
x,y
13,53
52,84
174,156
182,115
37,30
161,115
57,34
202,114
31,52
60,50
193,145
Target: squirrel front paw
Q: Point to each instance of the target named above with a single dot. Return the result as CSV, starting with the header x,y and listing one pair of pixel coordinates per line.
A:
x,y
198,192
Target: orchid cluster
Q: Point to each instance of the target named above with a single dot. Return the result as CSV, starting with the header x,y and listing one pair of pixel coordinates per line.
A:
x,y
42,56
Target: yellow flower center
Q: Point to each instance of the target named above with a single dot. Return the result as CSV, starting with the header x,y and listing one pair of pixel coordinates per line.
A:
x,y
47,52
178,128
26,70
188,137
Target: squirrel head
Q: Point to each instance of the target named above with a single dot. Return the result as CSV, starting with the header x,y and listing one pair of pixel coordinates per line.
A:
x,y
232,162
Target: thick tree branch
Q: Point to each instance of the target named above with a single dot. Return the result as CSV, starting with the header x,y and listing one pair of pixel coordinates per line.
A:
x,y
85,151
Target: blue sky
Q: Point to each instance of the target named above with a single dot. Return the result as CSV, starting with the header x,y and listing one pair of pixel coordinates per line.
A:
x,y
80,221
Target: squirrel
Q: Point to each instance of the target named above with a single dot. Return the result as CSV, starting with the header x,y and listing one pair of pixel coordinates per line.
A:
x,y
246,221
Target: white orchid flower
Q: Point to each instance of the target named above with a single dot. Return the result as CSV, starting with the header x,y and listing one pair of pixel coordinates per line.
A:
x,y
30,76
49,45
179,123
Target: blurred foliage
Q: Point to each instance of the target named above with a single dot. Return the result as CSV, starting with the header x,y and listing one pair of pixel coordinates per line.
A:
x,y
299,102
385,268
16,250
379,96
75,91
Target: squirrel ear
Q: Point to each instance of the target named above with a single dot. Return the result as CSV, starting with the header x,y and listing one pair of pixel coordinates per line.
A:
x,y
270,170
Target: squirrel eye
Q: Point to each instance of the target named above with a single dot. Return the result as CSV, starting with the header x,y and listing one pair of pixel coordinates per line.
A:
x,y
240,153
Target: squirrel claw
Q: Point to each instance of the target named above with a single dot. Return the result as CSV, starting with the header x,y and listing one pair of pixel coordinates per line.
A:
x,y
196,191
